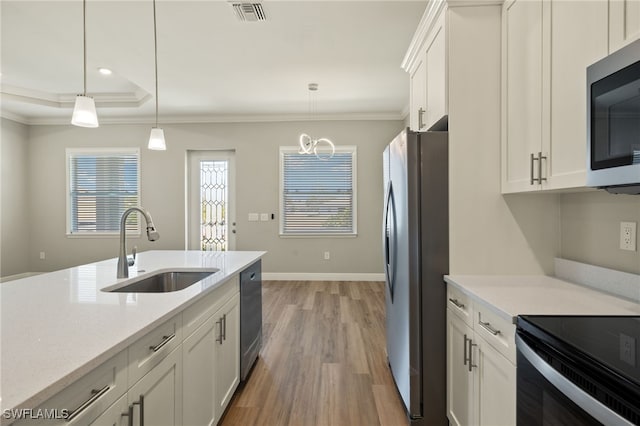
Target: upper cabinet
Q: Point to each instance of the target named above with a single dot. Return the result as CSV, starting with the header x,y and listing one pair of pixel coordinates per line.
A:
x,y
547,46
624,23
426,63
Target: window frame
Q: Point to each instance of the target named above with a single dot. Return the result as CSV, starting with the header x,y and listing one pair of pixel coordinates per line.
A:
x,y
351,149
69,152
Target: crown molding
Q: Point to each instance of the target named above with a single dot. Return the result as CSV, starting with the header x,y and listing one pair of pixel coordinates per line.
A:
x,y
428,20
239,118
14,117
64,100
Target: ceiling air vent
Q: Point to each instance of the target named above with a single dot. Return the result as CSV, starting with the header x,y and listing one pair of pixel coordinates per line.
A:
x,y
249,12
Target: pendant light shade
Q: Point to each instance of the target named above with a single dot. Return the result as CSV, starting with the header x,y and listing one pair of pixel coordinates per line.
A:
x,y
84,111
156,140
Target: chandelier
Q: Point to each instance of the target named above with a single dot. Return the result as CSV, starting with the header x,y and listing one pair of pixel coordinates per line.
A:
x,y
322,148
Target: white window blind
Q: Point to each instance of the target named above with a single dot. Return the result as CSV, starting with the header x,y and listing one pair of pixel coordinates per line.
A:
x,y
102,185
317,196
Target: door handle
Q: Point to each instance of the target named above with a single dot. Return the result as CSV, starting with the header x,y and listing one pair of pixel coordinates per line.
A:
x,y
540,158
471,364
421,112
531,168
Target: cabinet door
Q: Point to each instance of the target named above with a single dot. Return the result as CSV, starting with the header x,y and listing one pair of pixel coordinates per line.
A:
x,y
436,74
199,359
624,23
418,96
495,386
228,352
578,38
114,415
522,92
157,397
460,403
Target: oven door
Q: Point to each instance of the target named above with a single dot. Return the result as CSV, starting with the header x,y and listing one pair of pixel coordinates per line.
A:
x,y
545,397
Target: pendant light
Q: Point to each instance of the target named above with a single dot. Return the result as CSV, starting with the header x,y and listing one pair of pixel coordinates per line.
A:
x,y
84,111
310,145
156,138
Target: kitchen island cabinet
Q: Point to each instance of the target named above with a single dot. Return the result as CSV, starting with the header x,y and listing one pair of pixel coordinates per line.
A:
x,y
89,369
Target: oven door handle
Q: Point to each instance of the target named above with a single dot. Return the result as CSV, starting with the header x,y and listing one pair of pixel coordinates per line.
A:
x,y
586,402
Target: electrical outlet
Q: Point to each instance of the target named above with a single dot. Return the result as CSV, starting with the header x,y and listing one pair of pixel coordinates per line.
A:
x,y
628,236
253,217
628,349
327,255
264,217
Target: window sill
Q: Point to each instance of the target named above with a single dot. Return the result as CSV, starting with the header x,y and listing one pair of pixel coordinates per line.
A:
x,y
101,235
318,235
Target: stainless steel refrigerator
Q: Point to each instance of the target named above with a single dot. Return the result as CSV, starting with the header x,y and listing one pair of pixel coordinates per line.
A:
x,y
416,256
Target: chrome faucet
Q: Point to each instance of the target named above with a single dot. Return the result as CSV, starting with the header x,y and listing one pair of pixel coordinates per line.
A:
x,y
152,235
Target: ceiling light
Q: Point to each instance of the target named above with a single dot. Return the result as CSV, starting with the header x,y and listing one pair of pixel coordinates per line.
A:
x,y
105,71
156,138
84,111
310,145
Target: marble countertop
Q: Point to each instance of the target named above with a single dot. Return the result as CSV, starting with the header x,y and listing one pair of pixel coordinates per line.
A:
x,y
58,326
513,295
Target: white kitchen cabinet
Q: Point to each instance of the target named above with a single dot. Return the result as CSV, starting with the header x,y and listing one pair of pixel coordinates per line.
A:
x,y
157,397
547,46
228,352
624,23
114,415
481,372
199,383
426,63
87,397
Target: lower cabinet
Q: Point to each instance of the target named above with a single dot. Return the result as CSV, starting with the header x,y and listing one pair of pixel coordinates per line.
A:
x,y
481,379
211,365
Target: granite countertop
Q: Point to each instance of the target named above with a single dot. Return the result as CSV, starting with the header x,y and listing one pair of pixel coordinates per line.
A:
x,y
58,326
513,295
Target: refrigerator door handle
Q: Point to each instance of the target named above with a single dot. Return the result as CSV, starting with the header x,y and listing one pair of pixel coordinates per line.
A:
x,y
389,238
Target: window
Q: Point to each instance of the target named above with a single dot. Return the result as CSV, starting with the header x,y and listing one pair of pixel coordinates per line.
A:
x,y
101,184
318,197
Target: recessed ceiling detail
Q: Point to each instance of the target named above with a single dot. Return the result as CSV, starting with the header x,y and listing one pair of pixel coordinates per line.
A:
x,y
249,12
65,100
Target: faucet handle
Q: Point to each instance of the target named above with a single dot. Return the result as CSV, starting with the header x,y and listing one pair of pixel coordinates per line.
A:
x,y
132,261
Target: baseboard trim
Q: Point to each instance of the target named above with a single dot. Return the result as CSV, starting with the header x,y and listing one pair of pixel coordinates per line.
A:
x,y
306,276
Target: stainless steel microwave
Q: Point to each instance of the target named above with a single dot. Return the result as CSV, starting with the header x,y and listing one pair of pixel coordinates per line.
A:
x,y
613,121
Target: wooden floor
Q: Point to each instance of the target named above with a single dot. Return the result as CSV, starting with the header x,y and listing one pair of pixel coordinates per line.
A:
x,y
323,359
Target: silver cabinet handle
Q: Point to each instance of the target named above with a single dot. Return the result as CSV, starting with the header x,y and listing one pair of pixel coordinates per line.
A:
x,y
224,327
457,303
165,340
129,414
141,404
95,394
487,326
219,338
533,179
540,158
464,356
471,364
421,112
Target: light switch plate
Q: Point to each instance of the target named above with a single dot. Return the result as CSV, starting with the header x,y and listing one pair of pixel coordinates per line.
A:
x,y
264,217
253,217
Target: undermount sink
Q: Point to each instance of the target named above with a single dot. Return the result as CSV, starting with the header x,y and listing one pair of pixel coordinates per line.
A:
x,y
163,282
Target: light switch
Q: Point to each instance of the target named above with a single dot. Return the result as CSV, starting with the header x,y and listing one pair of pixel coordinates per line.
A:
x,y
253,217
264,217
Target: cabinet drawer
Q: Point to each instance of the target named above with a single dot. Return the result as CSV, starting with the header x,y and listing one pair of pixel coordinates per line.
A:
x,y
460,303
150,349
85,399
195,315
497,331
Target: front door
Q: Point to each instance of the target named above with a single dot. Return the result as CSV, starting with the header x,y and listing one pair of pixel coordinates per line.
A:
x,y
211,201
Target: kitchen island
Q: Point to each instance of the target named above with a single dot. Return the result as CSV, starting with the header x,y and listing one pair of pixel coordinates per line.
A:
x,y
59,326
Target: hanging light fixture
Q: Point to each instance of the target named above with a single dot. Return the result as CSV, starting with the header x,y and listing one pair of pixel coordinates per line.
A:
x,y
309,145
156,138
84,111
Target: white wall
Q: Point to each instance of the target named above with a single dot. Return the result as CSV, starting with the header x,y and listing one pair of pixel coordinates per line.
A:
x,y
14,206
591,229
163,191
489,233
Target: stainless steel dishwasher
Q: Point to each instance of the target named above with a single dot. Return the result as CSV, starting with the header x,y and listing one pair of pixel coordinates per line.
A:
x,y
250,317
